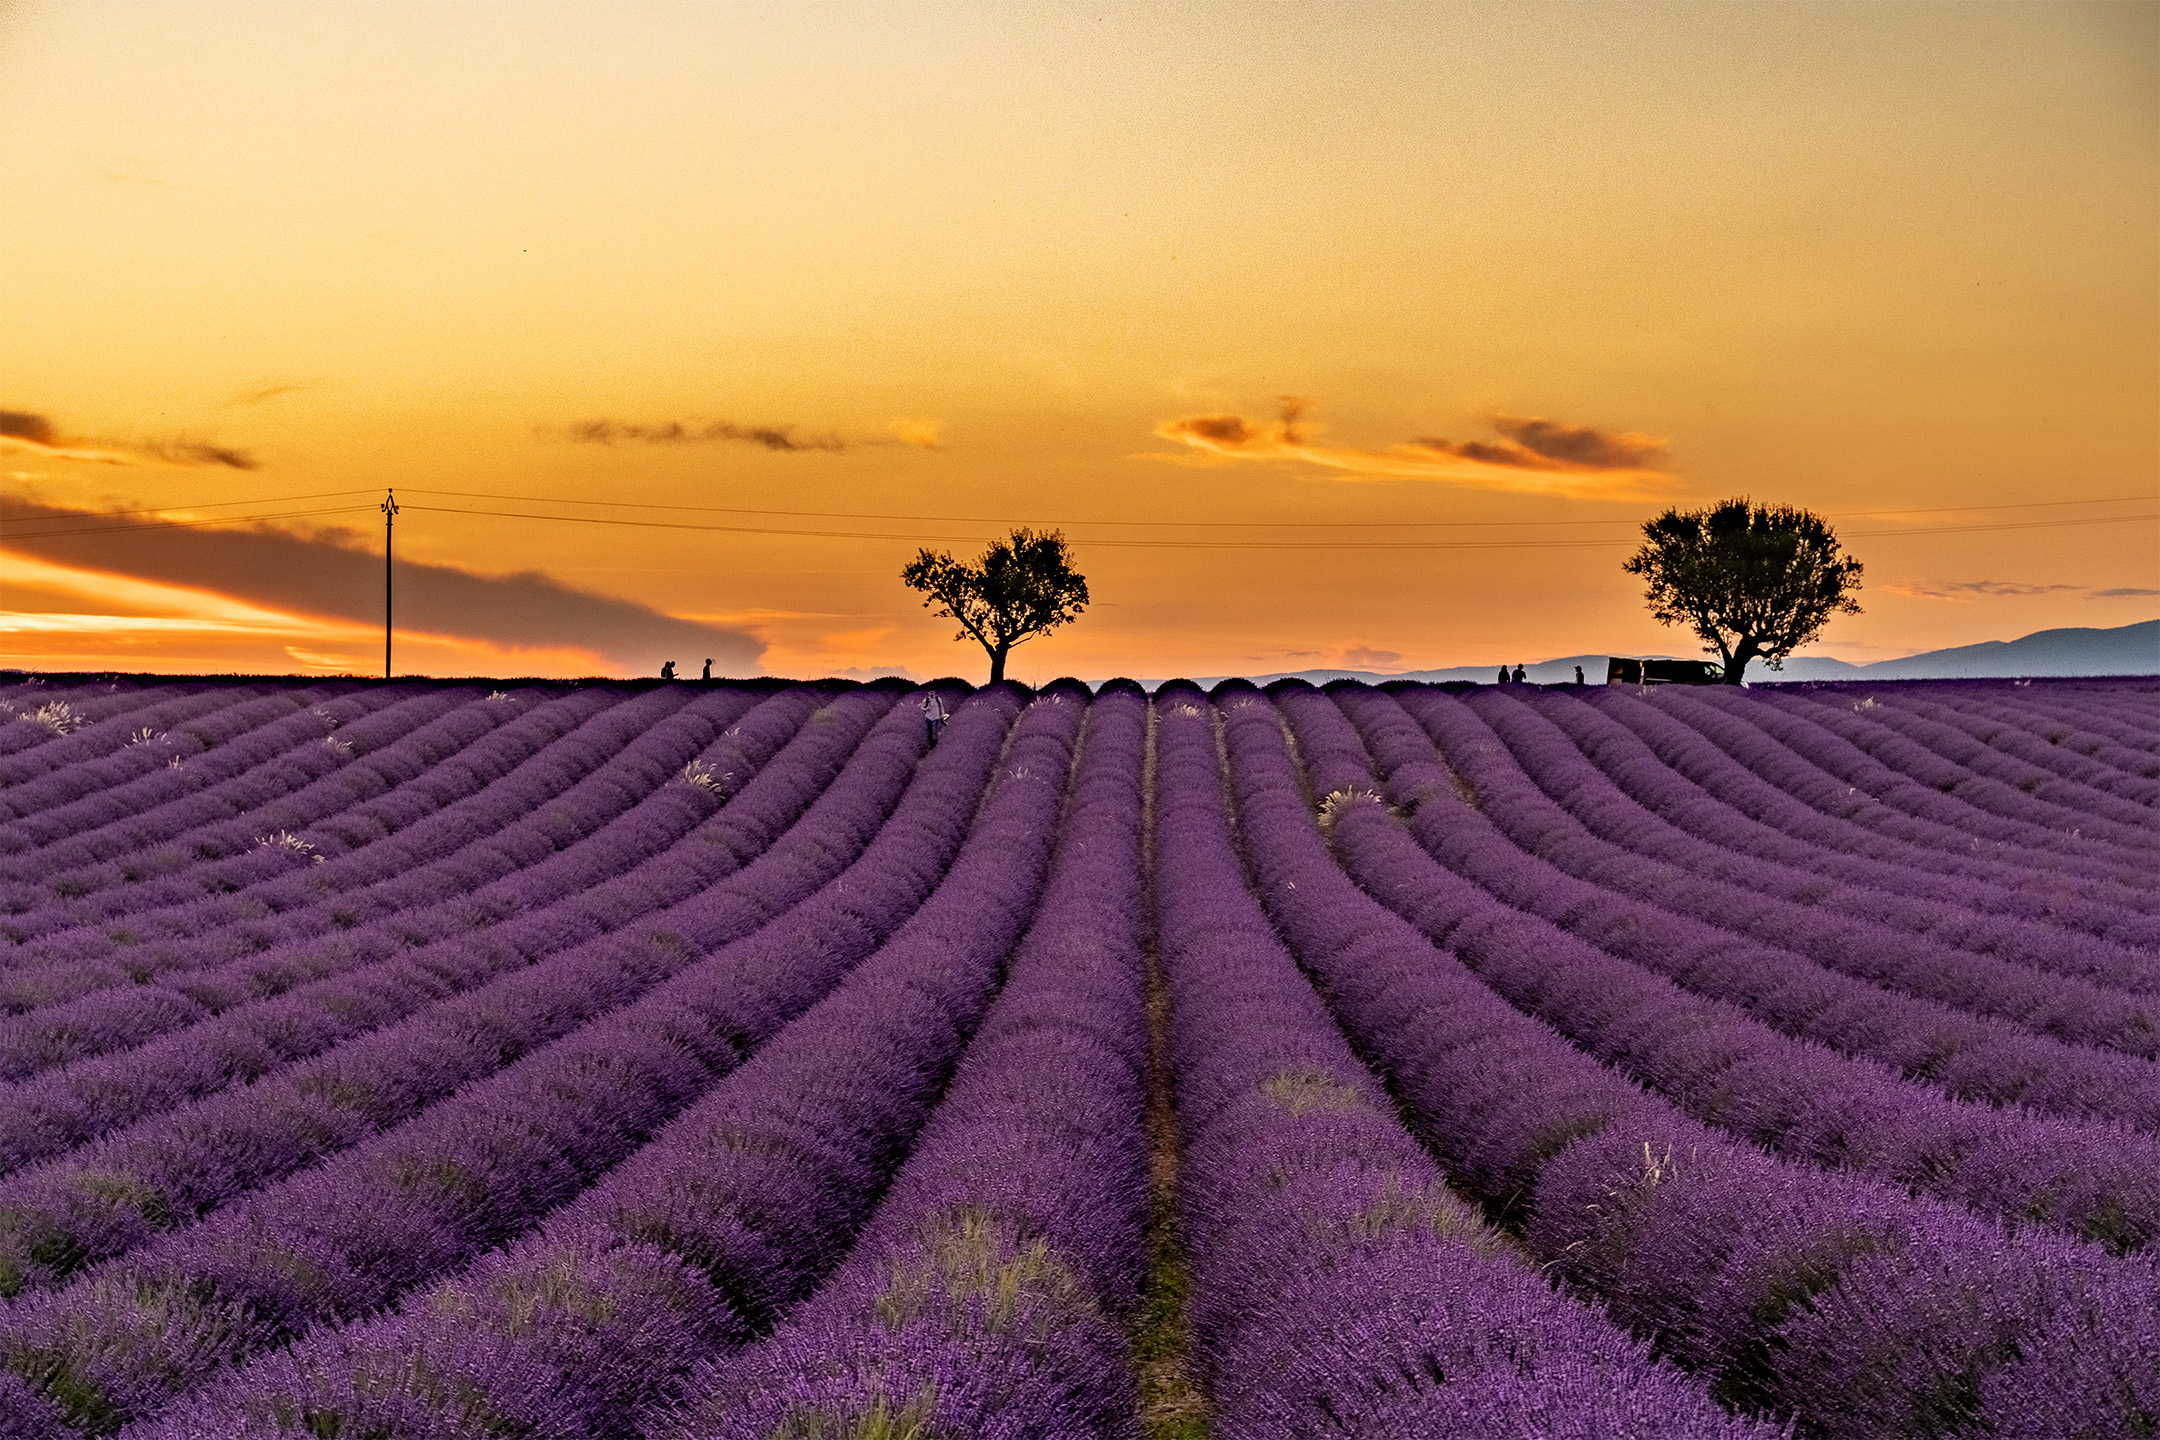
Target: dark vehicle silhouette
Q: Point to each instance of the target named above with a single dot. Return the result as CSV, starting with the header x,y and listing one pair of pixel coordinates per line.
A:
x,y
1619,670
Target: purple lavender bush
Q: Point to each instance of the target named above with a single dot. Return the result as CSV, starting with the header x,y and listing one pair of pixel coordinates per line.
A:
x,y
1765,823
317,997
737,1207
1722,1066
1822,741
1966,1056
1341,1287
679,1062
1986,777
988,1295
116,1194
1899,901
2062,1006
466,1174
1845,1302
1758,774
189,959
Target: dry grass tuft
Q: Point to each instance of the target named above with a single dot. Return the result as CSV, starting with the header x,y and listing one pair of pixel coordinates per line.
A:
x,y
1338,802
56,716
284,839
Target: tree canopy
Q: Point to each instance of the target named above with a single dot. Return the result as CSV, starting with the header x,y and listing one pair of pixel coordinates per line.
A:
x,y
1021,586
1753,581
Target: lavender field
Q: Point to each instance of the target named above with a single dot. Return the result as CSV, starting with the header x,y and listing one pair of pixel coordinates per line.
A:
x,y
695,1061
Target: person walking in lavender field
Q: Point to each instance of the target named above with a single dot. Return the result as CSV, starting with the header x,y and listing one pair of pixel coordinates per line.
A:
x,y
707,676
667,670
933,709
1520,678
1503,674
1578,675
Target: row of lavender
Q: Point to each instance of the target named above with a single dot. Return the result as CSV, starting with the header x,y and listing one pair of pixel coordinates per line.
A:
x,y
1703,1015
164,1173
724,1272
1859,1306
986,1296
464,857
733,1212
430,878
298,1000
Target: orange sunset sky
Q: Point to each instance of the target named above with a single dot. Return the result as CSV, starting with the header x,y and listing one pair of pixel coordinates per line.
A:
x,y
1332,335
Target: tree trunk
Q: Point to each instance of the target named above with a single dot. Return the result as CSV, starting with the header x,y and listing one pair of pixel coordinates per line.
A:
x,y
1736,668
997,663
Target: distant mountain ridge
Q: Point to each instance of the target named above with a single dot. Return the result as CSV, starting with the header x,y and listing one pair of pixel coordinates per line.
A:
x,y
2080,650
2123,650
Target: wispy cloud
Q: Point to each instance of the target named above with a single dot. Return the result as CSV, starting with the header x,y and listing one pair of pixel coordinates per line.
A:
x,y
1537,455
25,430
267,392
319,660
1537,444
1365,657
674,432
1974,589
2120,592
783,439
922,434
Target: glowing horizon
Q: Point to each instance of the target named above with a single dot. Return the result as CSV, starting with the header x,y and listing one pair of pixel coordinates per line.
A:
x,y
1202,286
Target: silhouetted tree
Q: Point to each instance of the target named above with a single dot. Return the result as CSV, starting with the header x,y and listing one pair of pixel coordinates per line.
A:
x,y
1021,586
1753,581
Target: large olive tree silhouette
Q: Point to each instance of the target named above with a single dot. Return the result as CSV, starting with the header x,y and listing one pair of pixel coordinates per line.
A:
x,y
1753,581
1022,586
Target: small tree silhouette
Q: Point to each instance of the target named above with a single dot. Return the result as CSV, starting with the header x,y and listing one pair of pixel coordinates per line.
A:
x,y
1750,580
1023,585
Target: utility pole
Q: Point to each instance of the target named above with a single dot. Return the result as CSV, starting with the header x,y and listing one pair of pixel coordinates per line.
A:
x,y
389,515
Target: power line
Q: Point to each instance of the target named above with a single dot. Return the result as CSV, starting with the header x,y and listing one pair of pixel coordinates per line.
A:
x,y
2005,525
1219,544
687,525
1218,524
1553,544
987,519
1110,544
1131,544
2009,505
975,519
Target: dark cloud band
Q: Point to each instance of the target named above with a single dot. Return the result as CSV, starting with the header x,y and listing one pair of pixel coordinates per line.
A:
x,y
22,425
673,432
1538,455
333,577
1582,444
1537,444
38,432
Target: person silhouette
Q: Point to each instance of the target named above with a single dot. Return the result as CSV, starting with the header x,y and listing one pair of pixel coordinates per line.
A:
x,y
1503,674
1518,675
933,710
1578,675
667,670
708,672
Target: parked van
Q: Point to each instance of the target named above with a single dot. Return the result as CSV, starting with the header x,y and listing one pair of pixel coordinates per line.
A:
x,y
1619,670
